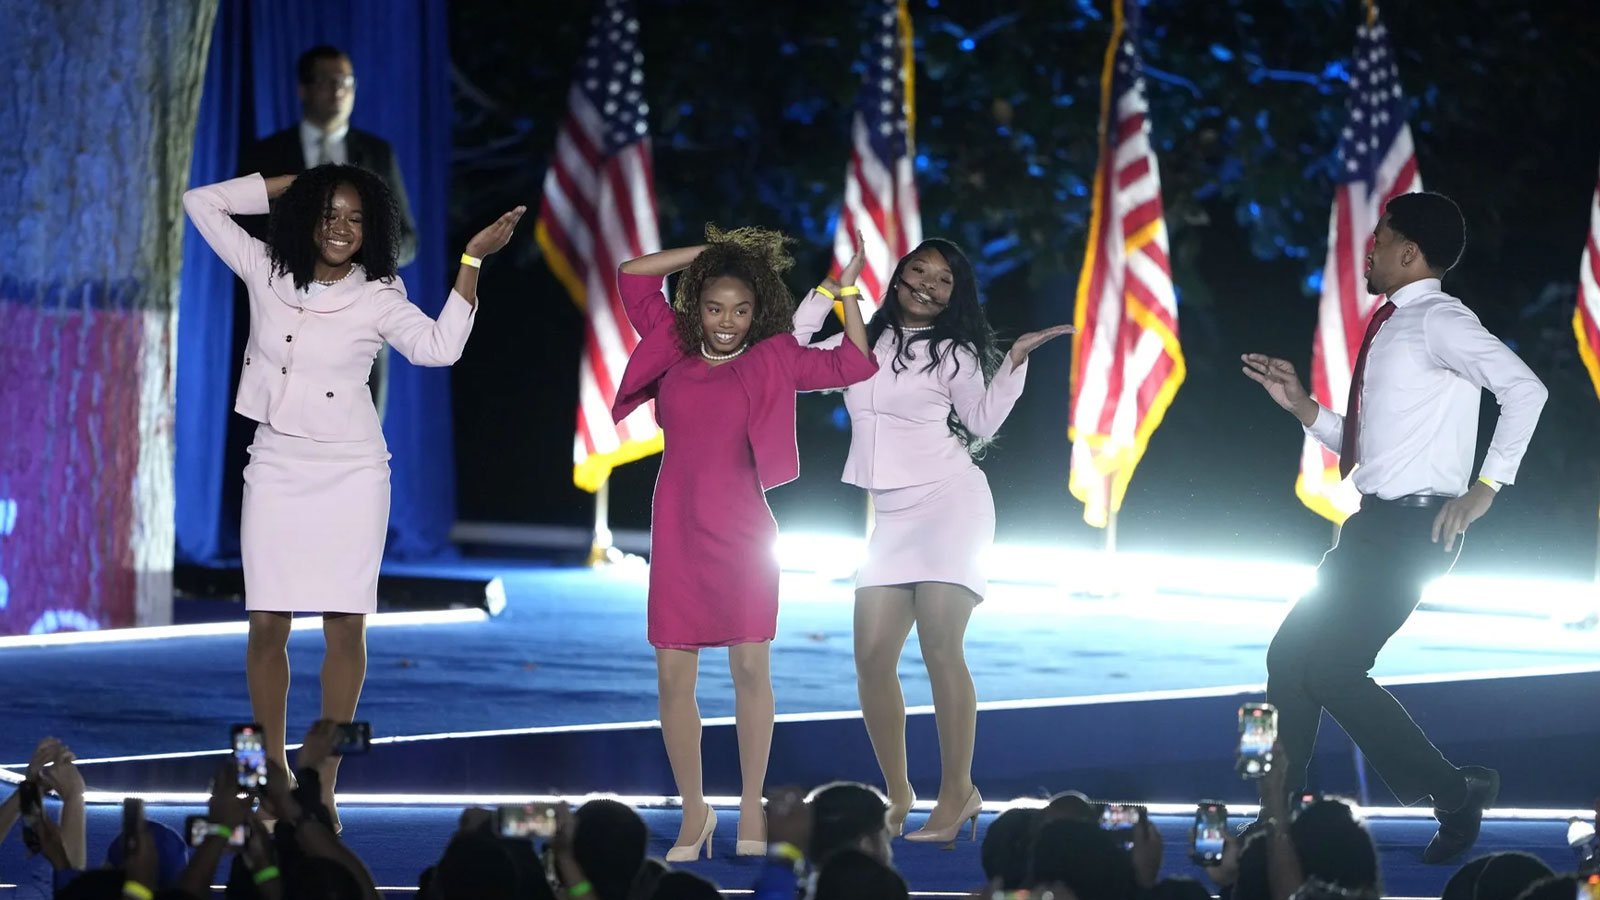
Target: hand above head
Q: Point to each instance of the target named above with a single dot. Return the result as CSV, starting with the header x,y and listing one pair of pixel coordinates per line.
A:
x,y
1147,852
227,807
280,792
43,754
1226,872
1275,786
1282,383
1455,516
317,745
1035,339
858,261
277,184
496,236
788,817
62,776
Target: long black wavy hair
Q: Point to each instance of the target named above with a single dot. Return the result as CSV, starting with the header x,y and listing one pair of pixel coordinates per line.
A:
x,y
291,232
961,324
756,256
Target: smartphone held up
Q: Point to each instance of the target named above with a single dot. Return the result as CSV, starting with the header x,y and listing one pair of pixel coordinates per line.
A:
x,y
1210,833
1258,733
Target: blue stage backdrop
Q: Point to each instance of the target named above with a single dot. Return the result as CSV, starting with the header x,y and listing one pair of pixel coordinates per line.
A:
x,y
94,145
402,61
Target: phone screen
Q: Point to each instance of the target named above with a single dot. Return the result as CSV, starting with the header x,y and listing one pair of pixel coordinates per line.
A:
x,y
250,757
198,829
353,738
1118,816
529,821
1210,831
1258,732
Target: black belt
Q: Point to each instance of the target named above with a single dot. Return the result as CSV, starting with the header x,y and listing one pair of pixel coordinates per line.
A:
x,y
1410,501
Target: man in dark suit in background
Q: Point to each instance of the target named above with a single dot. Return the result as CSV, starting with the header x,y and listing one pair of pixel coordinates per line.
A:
x,y
323,135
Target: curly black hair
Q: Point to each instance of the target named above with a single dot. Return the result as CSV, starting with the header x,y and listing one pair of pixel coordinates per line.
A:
x,y
291,232
756,256
961,324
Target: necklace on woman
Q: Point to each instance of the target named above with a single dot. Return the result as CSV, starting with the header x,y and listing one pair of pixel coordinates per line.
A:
x,y
719,357
336,280
915,330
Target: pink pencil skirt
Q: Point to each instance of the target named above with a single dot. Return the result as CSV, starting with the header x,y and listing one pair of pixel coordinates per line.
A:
x,y
931,532
315,518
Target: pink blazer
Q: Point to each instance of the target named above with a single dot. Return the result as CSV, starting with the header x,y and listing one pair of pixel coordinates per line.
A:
x,y
307,360
771,372
899,436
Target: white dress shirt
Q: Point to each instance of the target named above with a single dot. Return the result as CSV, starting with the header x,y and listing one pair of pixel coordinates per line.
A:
x,y
1419,400
312,142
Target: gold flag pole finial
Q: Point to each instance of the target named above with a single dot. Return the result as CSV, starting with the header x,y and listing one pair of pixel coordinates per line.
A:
x,y
1372,12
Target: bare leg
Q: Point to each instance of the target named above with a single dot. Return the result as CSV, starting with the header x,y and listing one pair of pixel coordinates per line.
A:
x,y
676,673
750,666
266,671
884,617
942,614
344,672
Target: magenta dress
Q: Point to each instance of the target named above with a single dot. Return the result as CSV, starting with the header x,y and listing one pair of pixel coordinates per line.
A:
x,y
729,436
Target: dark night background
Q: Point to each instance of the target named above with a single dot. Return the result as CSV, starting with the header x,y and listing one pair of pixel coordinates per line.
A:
x,y
750,109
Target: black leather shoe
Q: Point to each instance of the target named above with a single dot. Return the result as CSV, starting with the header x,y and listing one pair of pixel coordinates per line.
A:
x,y
1458,829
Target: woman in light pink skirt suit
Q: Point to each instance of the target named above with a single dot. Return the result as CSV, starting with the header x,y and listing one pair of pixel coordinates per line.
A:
x,y
324,297
941,392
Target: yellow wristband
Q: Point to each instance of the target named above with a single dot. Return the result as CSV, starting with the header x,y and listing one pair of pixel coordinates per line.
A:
x,y
472,261
136,890
850,291
787,851
1493,485
826,293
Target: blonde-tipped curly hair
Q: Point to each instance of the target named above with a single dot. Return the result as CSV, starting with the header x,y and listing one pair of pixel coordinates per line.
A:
x,y
756,256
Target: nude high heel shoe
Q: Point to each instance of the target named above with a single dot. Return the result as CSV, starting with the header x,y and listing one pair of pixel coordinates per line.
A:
x,y
948,834
690,852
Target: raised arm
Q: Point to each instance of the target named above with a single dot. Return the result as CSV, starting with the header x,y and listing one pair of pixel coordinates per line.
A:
x,y
211,208
983,408
642,284
855,328
663,262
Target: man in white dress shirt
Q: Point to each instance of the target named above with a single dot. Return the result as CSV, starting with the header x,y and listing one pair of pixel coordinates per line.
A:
x,y
1409,434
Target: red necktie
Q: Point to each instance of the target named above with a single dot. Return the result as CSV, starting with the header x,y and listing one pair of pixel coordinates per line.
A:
x,y
1352,415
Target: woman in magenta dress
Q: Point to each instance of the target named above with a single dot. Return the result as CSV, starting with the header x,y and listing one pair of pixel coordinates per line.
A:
x,y
941,392
324,299
723,372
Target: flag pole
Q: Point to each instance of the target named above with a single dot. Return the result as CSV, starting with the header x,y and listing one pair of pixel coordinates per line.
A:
x,y
601,550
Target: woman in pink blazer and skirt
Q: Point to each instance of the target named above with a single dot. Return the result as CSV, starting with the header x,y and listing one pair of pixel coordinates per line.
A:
x,y
324,297
941,392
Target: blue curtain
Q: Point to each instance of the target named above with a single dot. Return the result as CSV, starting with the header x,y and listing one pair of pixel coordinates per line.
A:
x,y
402,62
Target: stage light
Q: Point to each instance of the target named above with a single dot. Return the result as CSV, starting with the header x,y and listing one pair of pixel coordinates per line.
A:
x,y
1094,573
213,629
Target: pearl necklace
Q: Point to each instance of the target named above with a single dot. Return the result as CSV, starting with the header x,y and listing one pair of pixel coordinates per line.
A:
x,y
915,330
347,274
719,357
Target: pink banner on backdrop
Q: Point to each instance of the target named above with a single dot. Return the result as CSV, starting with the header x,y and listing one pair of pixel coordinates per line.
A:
x,y
70,382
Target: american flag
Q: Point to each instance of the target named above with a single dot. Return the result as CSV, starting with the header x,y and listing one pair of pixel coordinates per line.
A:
x,y
880,188
599,210
1377,162
1586,318
1126,360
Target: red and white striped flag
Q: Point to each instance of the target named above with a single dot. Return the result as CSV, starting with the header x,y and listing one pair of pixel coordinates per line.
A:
x,y
1586,318
1126,359
880,188
1377,162
599,210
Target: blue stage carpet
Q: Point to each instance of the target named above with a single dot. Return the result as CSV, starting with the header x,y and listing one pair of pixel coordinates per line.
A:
x,y
569,649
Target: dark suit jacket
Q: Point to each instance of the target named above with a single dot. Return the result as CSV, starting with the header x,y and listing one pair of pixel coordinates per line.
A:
x,y
280,154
